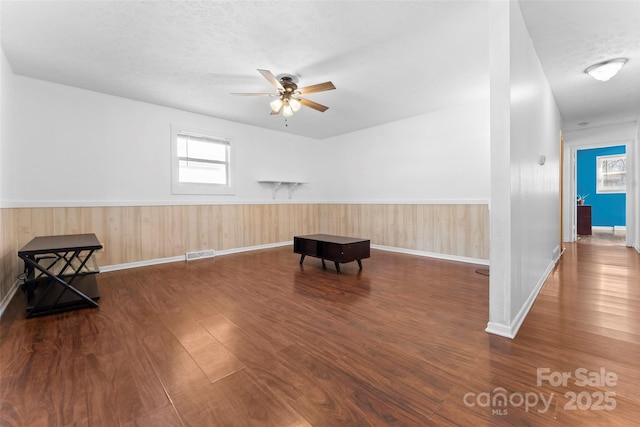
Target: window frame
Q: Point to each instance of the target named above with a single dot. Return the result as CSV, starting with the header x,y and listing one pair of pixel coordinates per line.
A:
x,y
178,187
601,187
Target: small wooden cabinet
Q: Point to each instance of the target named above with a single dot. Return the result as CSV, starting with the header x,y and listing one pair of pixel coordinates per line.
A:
x,y
338,249
584,220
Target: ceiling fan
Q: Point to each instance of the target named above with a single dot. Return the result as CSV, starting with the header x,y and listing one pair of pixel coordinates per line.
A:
x,y
288,94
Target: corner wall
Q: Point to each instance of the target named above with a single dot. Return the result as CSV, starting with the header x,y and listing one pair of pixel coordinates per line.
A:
x,y
8,259
112,156
525,213
635,185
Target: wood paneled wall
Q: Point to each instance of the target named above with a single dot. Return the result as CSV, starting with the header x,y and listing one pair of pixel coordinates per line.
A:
x,y
140,233
9,262
460,230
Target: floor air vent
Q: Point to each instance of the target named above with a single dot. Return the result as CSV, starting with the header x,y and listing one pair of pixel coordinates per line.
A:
x,y
200,254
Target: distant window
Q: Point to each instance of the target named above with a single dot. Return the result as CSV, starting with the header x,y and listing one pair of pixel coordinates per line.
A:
x,y
201,164
611,174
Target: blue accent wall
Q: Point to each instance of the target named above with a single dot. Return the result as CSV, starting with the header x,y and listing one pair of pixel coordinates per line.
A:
x,y
606,209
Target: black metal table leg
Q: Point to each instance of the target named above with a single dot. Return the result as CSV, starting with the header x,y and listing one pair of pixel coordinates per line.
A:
x,y
359,264
301,259
337,266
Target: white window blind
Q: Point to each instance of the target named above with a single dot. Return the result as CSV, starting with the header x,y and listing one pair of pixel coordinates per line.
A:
x,y
203,160
201,163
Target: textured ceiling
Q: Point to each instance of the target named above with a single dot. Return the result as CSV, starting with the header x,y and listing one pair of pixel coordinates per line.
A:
x,y
389,59
569,36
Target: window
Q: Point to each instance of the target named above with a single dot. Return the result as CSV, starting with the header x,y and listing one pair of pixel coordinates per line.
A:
x,y
201,164
611,174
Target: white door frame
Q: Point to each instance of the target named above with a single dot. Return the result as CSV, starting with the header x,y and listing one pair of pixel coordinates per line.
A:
x,y
570,172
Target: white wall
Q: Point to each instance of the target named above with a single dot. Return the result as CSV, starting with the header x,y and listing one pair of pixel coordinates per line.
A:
x,y
525,213
75,147
636,187
436,157
601,136
6,91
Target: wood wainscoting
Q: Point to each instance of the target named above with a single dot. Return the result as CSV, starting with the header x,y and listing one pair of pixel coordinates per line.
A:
x,y
142,233
457,229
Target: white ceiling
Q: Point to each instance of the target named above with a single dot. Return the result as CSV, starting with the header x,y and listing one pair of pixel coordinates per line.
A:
x,y
569,36
388,59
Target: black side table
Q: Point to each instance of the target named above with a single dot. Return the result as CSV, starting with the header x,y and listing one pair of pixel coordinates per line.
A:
x,y
60,273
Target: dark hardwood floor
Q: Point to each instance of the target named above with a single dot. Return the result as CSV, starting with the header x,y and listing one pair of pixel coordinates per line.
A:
x,y
254,339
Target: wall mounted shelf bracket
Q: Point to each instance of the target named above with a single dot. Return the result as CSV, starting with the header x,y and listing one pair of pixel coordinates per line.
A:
x,y
277,185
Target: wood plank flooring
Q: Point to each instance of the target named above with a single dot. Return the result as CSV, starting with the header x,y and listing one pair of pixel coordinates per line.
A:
x,y
254,339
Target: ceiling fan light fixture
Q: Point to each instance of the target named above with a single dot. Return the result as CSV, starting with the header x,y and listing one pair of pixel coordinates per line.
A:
x,y
286,86
294,104
605,70
276,105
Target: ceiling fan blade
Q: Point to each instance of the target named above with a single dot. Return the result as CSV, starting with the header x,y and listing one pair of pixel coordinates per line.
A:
x,y
255,94
320,87
314,105
272,79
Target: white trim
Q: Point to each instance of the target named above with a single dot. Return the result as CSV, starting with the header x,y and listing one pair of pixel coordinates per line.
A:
x,y
467,260
144,263
177,258
637,248
7,298
511,330
7,204
408,202
499,329
572,145
609,227
253,248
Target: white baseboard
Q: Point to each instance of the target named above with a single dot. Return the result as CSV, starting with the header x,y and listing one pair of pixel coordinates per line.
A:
x,y
254,248
144,263
511,330
177,258
501,330
448,257
609,227
155,261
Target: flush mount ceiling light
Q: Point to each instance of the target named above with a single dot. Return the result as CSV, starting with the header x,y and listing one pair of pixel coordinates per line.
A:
x,y
603,71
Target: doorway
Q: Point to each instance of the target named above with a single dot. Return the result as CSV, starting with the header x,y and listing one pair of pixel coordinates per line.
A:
x,y
601,196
